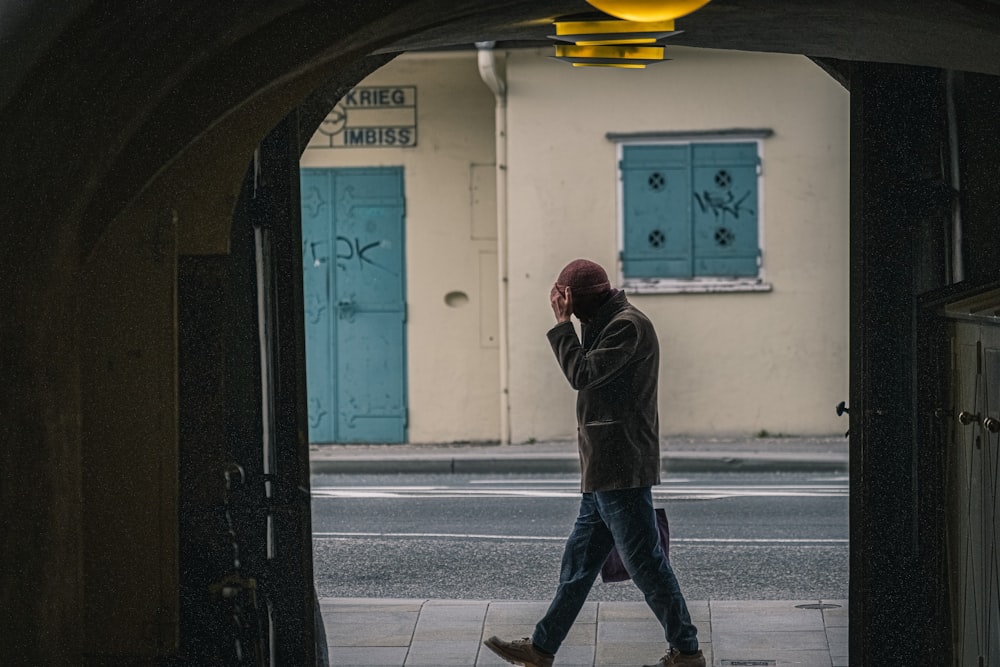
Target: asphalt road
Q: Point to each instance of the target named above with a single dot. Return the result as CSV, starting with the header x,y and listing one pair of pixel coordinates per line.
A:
x,y
733,536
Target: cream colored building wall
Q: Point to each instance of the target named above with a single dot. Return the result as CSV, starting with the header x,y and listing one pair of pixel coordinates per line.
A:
x,y
452,356
733,363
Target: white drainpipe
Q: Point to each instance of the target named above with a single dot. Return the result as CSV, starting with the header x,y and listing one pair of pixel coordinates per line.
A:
x,y
494,79
957,263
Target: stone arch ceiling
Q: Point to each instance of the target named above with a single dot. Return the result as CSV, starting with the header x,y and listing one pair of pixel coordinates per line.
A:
x,y
952,34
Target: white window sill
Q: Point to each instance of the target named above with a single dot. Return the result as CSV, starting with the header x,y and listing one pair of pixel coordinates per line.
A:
x,y
695,286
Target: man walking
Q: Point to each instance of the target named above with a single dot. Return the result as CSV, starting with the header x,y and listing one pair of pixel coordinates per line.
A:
x,y
615,372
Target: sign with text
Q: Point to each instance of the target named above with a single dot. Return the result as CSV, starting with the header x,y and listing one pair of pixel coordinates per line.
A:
x,y
371,117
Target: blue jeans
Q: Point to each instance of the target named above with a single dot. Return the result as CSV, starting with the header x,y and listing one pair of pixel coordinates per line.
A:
x,y
624,518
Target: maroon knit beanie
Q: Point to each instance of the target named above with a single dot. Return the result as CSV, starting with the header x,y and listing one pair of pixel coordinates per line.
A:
x,y
584,277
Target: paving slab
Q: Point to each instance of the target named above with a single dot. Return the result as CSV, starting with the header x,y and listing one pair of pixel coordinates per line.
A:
x,y
773,659
729,642
569,656
836,617
374,605
369,656
765,622
837,640
519,612
630,654
615,632
386,632
460,653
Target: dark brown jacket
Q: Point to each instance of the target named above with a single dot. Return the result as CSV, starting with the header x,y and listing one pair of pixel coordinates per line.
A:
x,y
615,372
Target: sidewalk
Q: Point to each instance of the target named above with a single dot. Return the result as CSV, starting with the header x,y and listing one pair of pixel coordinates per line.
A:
x,y
678,455
397,633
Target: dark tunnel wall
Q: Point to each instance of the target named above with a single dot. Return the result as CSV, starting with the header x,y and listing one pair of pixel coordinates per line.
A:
x,y
89,452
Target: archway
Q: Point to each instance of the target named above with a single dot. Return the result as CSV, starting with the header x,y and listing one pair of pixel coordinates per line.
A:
x,y
162,106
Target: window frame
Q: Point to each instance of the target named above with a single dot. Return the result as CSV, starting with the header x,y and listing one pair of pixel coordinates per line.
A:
x,y
698,284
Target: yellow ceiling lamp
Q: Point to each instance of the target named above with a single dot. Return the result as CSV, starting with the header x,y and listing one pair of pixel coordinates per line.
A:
x,y
629,41
627,56
648,10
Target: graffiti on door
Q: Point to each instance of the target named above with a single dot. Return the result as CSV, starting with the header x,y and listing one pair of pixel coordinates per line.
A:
x,y
355,249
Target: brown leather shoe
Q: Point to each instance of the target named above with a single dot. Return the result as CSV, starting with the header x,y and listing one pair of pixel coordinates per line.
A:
x,y
521,652
675,658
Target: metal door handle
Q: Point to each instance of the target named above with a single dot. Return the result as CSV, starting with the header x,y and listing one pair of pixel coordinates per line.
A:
x,y
967,418
992,425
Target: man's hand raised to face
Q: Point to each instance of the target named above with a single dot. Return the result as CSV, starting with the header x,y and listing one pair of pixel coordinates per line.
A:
x,y
562,302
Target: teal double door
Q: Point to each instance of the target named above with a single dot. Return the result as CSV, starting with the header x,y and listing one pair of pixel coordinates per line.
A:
x,y
355,303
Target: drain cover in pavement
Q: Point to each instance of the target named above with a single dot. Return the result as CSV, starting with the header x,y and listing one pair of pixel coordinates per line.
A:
x,y
749,663
817,606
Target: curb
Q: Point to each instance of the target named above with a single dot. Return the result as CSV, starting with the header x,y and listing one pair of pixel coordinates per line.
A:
x,y
570,464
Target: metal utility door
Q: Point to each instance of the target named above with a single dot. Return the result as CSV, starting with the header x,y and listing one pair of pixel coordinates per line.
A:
x,y
355,302
974,523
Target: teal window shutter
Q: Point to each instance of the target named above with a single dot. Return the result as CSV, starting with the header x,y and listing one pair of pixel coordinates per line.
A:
x,y
690,210
725,209
657,239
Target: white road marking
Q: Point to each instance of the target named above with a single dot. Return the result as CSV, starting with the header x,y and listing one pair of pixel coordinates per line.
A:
x,y
543,538
678,492
389,492
431,536
566,482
